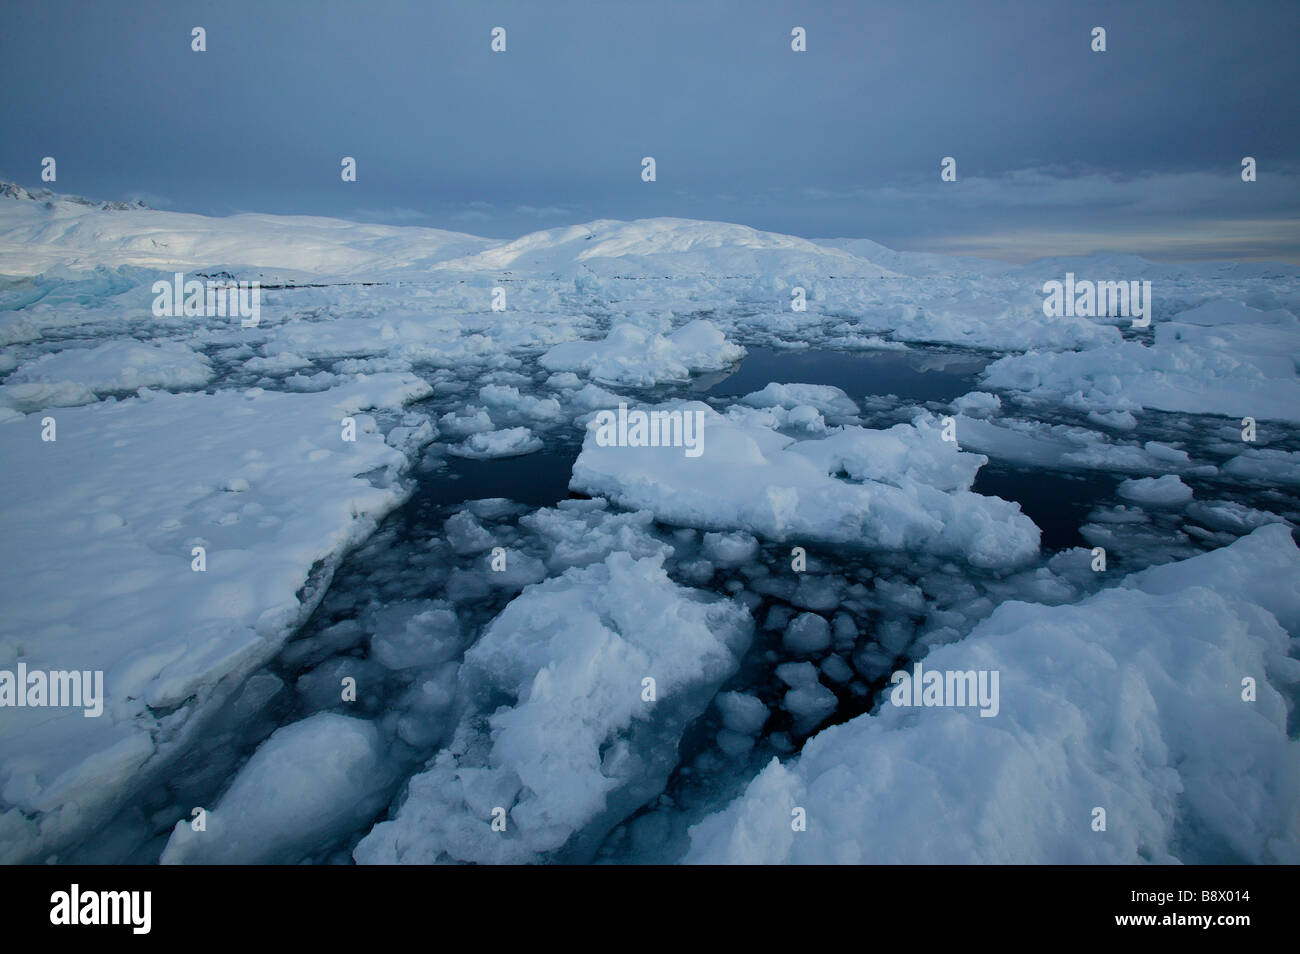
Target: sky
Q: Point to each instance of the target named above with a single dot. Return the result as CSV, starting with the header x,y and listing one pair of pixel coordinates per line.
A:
x,y
1059,149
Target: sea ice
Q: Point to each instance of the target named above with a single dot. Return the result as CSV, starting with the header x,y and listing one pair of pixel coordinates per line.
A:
x,y
906,488
564,737
309,784
1130,701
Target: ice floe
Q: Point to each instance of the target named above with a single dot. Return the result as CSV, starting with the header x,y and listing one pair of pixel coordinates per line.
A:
x,y
1131,702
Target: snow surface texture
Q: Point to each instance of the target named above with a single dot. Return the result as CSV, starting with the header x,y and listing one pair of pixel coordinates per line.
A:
x,y
1130,701
80,375
1222,358
99,572
632,356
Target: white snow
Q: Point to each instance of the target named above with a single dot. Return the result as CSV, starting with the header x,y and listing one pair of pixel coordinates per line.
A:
x,y
469,420
1166,491
680,248
978,403
634,356
510,442
35,238
567,743
78,375
905,488
120,594
837,406
1130,701
1245,367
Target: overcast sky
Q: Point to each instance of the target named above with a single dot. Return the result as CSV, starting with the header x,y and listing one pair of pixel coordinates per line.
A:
x,y
1059,150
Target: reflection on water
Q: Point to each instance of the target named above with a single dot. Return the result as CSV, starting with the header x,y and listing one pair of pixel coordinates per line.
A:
x,y
1058,502
913,375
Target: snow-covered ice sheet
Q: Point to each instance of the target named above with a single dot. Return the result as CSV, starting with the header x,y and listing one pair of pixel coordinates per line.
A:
x,y
97,538
79,375
1241,365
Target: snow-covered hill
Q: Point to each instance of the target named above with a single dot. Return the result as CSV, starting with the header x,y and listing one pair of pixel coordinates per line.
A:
x,y
39,230
42,229
666,248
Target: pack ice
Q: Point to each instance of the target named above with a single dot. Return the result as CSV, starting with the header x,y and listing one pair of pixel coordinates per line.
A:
x,y
539,713
564,736
98,535
1130,701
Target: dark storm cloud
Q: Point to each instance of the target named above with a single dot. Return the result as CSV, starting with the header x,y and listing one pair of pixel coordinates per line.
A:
x,y
1054,143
